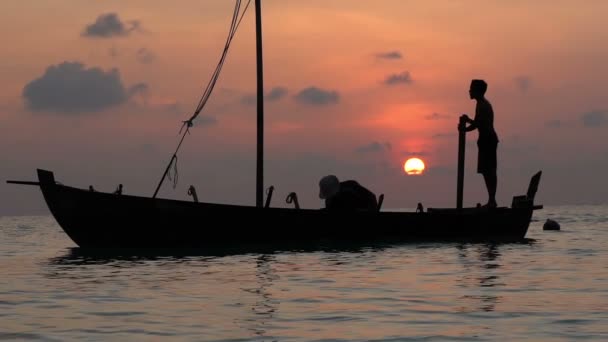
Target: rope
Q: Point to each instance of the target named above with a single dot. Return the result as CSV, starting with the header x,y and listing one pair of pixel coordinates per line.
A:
x,y
236,21
237,17
175,173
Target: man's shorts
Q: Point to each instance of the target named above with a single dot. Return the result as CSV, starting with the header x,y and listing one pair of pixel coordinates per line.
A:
x,y
486,158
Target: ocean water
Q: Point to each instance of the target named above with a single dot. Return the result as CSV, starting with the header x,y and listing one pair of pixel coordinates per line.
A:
x,y
553,287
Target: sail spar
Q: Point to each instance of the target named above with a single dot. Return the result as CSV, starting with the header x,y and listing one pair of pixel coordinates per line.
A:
x,y
237,17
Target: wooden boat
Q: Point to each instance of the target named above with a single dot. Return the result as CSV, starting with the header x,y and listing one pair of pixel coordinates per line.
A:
x,y
104,220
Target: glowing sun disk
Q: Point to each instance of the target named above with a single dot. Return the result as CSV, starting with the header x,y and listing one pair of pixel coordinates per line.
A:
x,y
414,166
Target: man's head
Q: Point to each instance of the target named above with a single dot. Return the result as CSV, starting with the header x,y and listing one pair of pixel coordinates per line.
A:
x,y
328,186
478,89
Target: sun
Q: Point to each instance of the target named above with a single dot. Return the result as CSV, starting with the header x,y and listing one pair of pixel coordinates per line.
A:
x,y
414,166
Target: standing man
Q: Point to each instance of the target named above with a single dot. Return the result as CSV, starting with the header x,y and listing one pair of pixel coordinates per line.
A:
x,y
487,142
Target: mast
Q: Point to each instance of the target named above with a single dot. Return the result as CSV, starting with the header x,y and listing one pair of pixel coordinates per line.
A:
x,y
259,198
461,145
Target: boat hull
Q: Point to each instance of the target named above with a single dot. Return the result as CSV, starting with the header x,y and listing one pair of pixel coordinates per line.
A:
x,y
103,220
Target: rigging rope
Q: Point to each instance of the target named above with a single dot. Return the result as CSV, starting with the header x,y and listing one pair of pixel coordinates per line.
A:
x,y
236,21
237,17
175,174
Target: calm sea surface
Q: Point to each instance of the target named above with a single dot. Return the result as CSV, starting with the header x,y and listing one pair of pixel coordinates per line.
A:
x,y
552,288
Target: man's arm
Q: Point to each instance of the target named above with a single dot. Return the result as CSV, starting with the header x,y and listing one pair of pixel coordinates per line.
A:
x,y
471,127
472,124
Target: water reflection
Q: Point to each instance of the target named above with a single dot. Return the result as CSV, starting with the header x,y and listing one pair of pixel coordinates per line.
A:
x,y
480,277
79,256
124,257
130,257
264,307
82,266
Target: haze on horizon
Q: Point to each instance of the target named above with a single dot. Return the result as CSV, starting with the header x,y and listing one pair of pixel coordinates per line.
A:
x,y
96,92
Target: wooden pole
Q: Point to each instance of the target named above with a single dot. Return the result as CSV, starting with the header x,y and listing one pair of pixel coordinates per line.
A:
x,y
461,145
259,199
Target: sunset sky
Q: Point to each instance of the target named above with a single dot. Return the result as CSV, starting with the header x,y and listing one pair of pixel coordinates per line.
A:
x,y
96,91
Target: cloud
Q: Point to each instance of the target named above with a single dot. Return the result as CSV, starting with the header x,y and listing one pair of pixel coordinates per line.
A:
x,y
317,96
595,118
171,107
70,87
437,116
139,91
374,147
523,83
139,88
444,135
109,25
160,104
554,123
249,99
414,153
275,94
145,56
205,121
389,55
113,52
402,78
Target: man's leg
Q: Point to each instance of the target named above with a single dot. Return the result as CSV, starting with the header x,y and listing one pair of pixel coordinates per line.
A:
x,y
491,182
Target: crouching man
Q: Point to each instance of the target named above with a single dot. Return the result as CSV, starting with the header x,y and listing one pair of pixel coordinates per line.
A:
x,y
347,195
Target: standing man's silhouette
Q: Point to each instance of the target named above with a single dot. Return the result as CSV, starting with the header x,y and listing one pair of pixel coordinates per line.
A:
x,y
488,139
